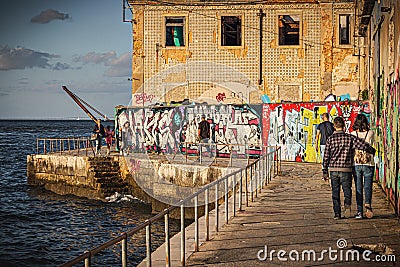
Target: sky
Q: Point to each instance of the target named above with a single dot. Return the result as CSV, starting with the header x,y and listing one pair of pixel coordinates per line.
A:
x,y
45,44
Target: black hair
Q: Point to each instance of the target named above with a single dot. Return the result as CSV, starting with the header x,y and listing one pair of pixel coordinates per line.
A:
x,y
338,122
361,123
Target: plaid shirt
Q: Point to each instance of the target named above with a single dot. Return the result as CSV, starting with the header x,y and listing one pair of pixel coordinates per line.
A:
x,y
340,149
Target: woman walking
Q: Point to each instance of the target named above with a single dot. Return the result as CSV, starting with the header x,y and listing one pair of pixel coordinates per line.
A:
x,y
364,167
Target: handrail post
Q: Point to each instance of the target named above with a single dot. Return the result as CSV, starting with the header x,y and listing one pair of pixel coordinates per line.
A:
x,y
230,151
196,223
201,152
234,194
148,245
259,174
280,160
256,177
167,243
207,215
226,201
216,208
87,260
183,244
276,161
251,183
266,169
240,189
124,251
246,186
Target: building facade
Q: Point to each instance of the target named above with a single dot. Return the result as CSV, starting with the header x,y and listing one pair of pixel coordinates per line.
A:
x,y
378,28
243,51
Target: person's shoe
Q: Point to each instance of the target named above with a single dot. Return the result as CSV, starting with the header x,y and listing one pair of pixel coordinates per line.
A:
x,y
337,217
358,215
347,211
368,211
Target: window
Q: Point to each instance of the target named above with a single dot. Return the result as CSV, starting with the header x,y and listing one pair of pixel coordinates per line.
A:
x,y
175,31
231,31
344,29
289,29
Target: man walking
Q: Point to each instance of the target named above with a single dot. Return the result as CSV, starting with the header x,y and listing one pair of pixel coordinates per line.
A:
x,y
99,131
204,134
324,130
339,160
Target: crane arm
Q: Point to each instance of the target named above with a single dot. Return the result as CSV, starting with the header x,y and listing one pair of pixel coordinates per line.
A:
x,y
78,102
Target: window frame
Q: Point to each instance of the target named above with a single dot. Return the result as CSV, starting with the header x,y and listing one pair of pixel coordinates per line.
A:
x,y
185,30
351,30
219,41
290,13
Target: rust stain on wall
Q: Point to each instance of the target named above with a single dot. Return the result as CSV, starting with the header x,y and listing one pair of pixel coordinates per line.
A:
x,y
300,52
339,56
176,77
190,37
177,54
326,39
301,73
272,44
239,53
282,57
137,53
306,97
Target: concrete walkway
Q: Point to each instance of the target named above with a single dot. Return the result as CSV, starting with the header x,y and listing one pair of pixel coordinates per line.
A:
x,y
294,214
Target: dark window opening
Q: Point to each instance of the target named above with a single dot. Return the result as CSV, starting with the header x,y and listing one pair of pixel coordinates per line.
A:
x,y
231,31
289,29
174,31
344,29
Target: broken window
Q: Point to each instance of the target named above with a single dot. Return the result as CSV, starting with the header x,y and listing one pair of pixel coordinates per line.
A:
x,y
174,31
344,29
289,29
231,31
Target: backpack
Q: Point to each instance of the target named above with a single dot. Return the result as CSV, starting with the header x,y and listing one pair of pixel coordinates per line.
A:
x,y
361,156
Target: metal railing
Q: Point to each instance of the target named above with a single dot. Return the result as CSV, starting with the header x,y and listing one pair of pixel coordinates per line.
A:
x,y
71,145
247,181
213,148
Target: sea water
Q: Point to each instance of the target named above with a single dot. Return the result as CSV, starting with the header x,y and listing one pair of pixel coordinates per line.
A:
x,y
40,228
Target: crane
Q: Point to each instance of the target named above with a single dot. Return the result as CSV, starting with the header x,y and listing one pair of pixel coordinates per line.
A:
x,y
81,103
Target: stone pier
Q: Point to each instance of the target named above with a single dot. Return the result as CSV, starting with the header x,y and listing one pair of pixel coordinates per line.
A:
x,y
140,175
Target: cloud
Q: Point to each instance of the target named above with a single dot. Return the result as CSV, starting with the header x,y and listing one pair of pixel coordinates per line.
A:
x,y
22,58
61,66
49,15
96,58
118,66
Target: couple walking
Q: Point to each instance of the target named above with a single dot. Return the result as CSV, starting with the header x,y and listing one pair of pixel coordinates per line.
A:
x,y
346,155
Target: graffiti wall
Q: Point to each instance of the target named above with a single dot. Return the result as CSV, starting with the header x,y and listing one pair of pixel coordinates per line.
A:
x,y
174,129
388,142
290,125
294,125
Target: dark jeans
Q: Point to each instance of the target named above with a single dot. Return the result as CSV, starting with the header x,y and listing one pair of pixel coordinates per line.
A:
x,y
337,179
366,172
209,146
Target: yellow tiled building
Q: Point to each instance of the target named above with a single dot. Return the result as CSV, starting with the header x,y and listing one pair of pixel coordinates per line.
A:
x,y
243,51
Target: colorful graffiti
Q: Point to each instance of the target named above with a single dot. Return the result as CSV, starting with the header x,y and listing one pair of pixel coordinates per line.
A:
x,y
388,142
174,129
143,98
294,126
290,125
